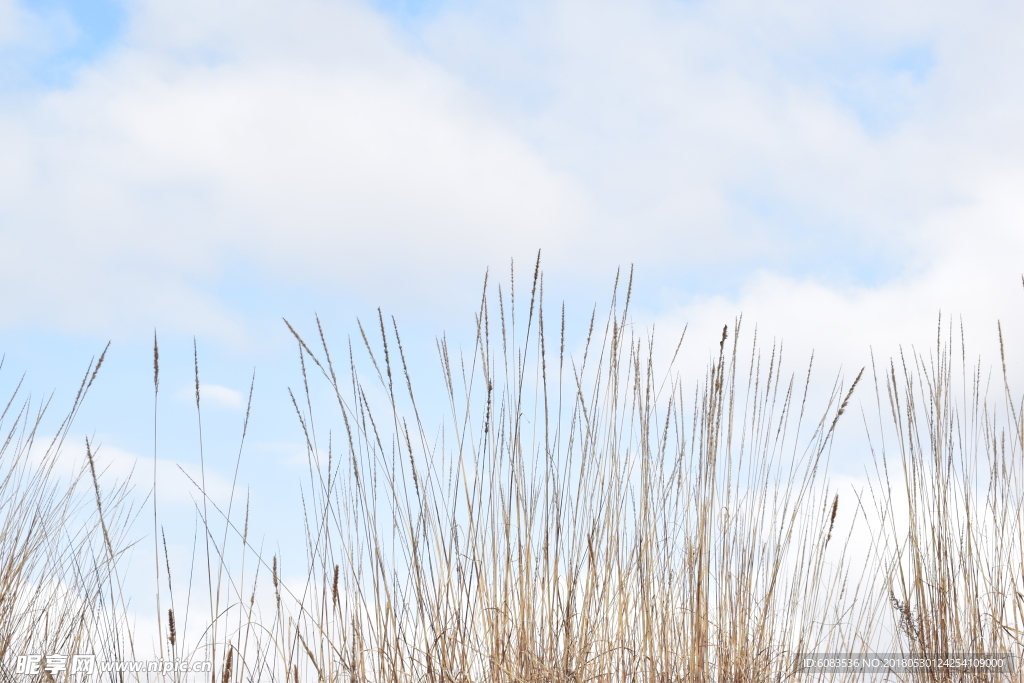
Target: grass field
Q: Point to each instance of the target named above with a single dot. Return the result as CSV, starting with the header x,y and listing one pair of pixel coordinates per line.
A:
x,y
559,510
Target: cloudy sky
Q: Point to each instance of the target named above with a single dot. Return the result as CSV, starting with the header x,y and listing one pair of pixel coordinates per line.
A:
x,y
838,172
195,167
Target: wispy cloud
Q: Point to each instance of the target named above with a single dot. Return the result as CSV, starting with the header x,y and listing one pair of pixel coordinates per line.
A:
x,y
178,482
215,394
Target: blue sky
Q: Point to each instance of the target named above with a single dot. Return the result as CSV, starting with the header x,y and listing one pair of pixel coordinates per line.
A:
x,y
71,35
838,172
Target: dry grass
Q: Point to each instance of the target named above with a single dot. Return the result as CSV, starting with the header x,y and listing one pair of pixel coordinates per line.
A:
x,y
570,511
950,503
57,554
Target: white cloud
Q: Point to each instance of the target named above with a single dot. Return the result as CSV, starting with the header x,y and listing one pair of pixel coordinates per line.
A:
x,y
723,135
178,483
305,142
220,396
25,31
723,132
11,16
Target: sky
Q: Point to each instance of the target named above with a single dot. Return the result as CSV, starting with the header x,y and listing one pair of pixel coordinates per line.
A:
x,y
839,173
